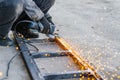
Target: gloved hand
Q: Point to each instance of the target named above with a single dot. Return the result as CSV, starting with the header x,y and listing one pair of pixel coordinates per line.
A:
x,y
45,26
28,28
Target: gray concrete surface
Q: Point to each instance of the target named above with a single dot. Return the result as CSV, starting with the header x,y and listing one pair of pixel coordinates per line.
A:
x,y
17,68
92,28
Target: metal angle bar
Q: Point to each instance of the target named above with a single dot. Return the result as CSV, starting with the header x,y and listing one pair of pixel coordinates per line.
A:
x,y
42,41
63,44
30,64
48,54
68,75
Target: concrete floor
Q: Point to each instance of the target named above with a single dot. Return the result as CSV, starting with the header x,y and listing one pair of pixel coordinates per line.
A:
x,y
91,26
17,67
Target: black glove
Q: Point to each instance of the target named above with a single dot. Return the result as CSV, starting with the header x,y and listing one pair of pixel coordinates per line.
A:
x,y
29,29
45,26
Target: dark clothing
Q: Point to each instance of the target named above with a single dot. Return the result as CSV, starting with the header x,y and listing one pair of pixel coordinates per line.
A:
x,y
10,11
8,15
44,5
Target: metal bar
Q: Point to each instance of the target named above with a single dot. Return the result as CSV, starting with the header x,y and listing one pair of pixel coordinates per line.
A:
x,y
76,57
69,75
31,66
42,41
48,54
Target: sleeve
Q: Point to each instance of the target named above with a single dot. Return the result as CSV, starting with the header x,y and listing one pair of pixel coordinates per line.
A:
x,y
32,10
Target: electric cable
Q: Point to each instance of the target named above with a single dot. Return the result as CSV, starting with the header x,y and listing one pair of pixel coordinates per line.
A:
x,y
31,45
9,63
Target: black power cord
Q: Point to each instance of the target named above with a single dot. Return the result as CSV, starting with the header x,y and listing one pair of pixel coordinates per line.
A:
x,y
31,45
9,63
